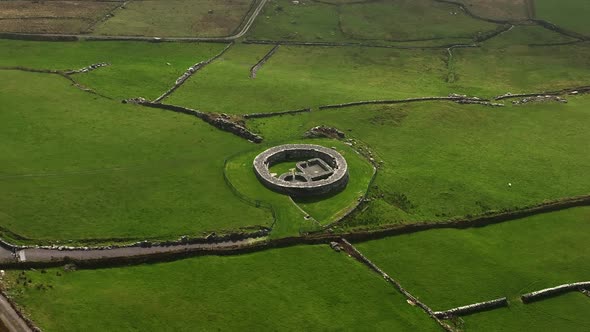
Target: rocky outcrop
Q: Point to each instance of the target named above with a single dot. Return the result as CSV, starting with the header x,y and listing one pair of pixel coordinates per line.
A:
x,y
324,131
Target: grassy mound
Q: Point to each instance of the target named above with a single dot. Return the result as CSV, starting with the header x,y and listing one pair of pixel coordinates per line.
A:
x,y
323,210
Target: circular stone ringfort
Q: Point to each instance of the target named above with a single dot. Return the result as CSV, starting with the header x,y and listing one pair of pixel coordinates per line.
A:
x,y
323,171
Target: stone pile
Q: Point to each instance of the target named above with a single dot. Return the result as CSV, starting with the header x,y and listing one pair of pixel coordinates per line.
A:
x,y
88,68
324,131
221,121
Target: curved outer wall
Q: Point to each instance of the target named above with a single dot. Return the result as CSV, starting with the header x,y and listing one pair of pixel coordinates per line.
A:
x,y
336,182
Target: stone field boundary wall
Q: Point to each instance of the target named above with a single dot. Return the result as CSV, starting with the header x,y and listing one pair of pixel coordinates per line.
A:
x,y
554,291
472,308
354,252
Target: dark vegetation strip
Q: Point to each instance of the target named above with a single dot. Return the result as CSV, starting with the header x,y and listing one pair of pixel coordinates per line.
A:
x,y
472,308
492,217
344,44
550,26
273,114
461,99
161,252
262,61
570,91
554,291
354,252
190,72
573,42
219,121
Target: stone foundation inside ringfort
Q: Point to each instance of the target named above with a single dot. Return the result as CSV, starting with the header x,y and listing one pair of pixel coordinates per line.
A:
x,y
323,172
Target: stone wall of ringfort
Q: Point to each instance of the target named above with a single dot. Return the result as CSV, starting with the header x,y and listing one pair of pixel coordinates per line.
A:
x,y
293,152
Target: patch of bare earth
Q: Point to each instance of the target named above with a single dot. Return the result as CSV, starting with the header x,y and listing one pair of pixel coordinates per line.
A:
x,y
52,16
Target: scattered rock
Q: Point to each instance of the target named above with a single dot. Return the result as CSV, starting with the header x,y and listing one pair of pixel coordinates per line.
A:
x,y
70,267
323,131
335,246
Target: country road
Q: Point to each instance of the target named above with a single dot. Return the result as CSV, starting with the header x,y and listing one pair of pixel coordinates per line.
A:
x,y
9,318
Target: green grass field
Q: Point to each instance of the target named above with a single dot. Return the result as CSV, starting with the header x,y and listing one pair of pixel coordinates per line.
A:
x,y
308,288
409,20
569,312
443,160
85,169
297,77
138,69
374,21
451,267
76,166
176,18
568,14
